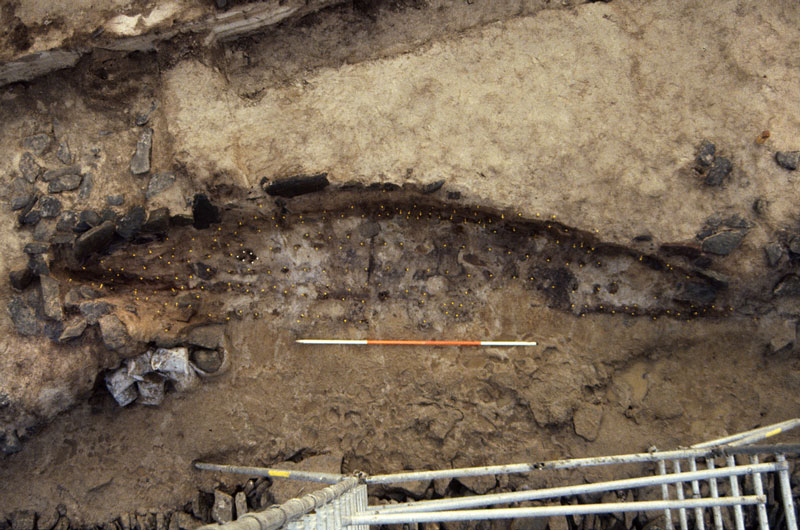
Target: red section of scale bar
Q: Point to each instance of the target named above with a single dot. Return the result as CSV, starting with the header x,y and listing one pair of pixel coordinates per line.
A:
x,y
426,342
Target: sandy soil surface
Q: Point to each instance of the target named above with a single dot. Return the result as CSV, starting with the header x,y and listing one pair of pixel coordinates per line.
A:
x,y
509,170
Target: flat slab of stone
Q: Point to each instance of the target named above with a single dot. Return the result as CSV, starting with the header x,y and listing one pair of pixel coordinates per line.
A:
x,y
94,240
723,243
51,298
140,163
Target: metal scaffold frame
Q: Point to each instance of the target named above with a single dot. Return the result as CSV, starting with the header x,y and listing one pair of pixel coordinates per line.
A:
x,y
729,468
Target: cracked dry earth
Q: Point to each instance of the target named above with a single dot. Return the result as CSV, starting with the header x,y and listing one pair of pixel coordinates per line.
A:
x,y
144,219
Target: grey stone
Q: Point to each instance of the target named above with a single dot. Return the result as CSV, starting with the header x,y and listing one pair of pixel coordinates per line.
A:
x,y
23,520
586,421
30,217
85,190
108,214
51,298
47,519
61,240
89,219
122,387
760,206
184,521
38,143
794,245
207,360
140,365
63,153
53,329
705,156
67,221
88,293
151,390
720,169
162,521
174,364
298,185
222,511
94,240
788,159
93,310
20,279
723,243
115,335
9,442
432,187
129,225
115,200
39,264
54,174
789,285
72,299
157,221
140,163
158,183
240,502
43,232
369,229
23,315
73,329
50,207
65,183
22,194
36,248
29,168
737,221
204,213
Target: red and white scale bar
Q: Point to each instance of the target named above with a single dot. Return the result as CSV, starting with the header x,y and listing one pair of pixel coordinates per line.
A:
x,y
376,342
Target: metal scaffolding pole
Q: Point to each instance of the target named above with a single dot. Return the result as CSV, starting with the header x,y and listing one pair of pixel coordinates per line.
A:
x,y
565,491
546,511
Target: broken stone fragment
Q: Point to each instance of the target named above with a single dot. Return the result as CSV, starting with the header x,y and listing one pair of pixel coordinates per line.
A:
x,y
720,169
204,213
86,186
94,310
29,168
30,218
129,225
50,207
9,442
36,248
298,185
174,364
157,221
151,390
723,243
222,511
63,153
240,502
39,264
139,366
115,335
73,329
705,156
38,143
121,386
22,194
94,240
158,183
789,285
23,520
115,200
88,219
67,221
51,298
788,159
140,163
432,187
65,183
53,174
20,279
